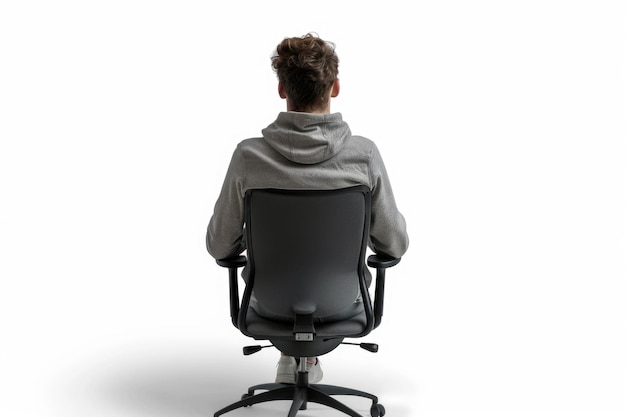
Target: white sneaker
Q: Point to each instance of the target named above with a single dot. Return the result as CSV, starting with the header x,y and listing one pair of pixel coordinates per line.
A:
x,y
286,370
315,372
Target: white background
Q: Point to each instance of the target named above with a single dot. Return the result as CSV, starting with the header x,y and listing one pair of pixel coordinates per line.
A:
x,y
502,127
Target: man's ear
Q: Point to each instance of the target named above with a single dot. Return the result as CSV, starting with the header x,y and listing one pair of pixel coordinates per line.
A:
x,y
335,89
281,90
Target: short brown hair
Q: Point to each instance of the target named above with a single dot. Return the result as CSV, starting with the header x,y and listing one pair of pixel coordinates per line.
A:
x,y
307,67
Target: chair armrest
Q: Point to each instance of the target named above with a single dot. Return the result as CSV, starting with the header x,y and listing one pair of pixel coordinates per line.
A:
x,y
381,263
233,263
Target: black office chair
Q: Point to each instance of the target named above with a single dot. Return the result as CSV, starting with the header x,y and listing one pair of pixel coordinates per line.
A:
x,y
305,264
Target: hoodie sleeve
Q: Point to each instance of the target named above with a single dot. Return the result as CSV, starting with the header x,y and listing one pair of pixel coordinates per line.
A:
x,y
224,236
388,234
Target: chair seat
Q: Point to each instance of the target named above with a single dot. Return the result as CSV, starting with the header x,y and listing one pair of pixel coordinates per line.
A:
x,y
328,335
263,328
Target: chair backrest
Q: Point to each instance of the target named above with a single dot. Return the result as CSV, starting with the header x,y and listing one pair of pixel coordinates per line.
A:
x,y
306,249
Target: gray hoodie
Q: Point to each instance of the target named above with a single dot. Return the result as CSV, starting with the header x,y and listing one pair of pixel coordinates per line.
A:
x,y
306,151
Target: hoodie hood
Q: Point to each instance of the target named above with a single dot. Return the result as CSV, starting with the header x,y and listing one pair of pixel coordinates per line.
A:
x,y
307,138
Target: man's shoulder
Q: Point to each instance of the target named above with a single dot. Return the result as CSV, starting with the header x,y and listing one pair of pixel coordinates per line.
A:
x,y
363,141
251,142
361,145
251,145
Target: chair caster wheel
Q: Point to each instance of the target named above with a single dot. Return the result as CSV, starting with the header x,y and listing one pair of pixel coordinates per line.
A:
x,y
246,396
377,410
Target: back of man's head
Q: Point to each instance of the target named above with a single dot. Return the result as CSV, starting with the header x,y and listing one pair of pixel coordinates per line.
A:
x,y
306,67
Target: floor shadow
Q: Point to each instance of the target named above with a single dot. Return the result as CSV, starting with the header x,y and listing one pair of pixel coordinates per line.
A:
x,y
191,384
182,384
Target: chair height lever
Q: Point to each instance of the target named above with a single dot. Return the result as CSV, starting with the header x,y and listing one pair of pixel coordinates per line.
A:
x,y
370,347
249,350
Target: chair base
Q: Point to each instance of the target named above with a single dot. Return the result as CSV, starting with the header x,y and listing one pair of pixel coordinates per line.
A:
x,y
301,393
